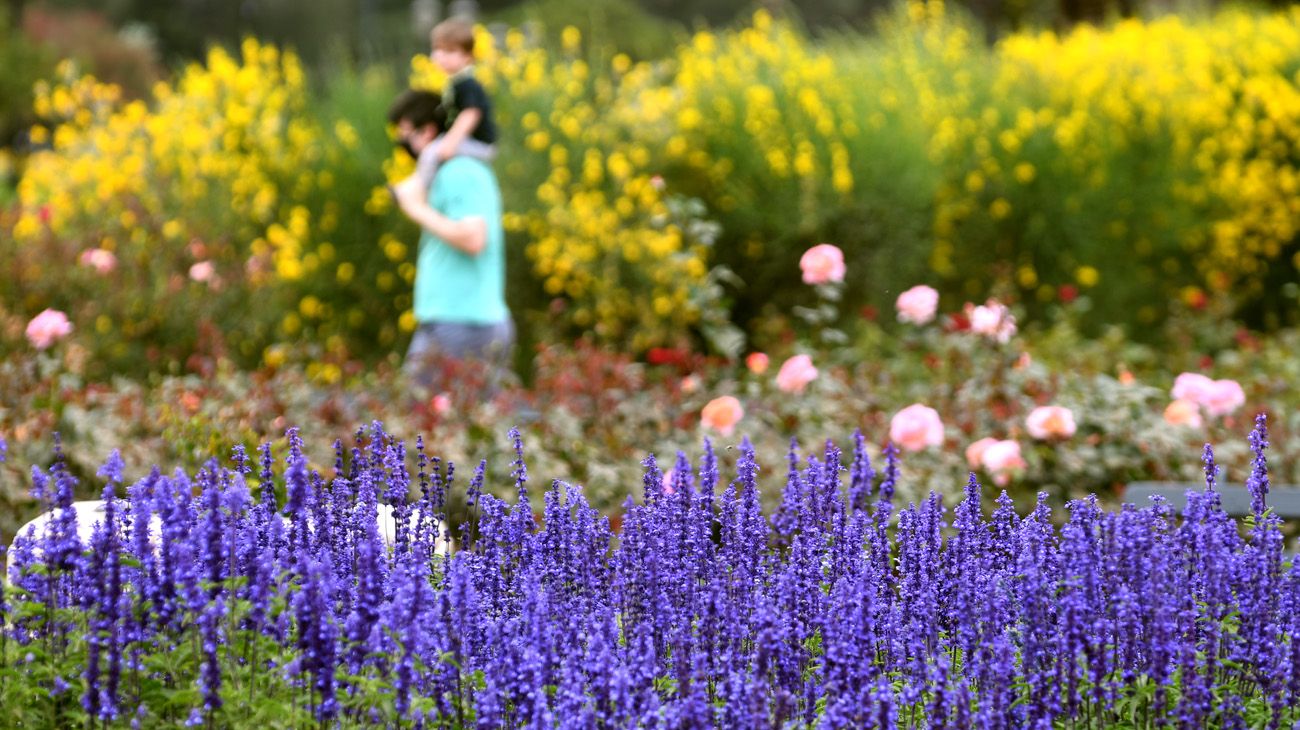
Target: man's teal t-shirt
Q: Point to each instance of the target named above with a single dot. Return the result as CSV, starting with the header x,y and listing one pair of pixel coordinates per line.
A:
x,y
450,285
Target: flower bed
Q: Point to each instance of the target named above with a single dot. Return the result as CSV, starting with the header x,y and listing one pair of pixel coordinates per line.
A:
x,y
840,610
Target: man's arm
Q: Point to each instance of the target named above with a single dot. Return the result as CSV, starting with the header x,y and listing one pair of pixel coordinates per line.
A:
x,y
467,234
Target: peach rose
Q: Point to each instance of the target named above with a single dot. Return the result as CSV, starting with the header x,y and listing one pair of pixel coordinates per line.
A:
x,y
822,264
722,414
1193,387
1002,459
795,374
993,320
100,259
47,328
917,305
757,363
975,452
1050,422
1182,412
1224,397
916,427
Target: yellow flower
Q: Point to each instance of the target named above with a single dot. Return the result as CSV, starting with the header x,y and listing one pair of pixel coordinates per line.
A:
x,y
1087,276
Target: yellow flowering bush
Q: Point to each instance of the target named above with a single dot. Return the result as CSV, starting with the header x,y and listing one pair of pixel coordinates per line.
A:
x,y
154,222
1156,159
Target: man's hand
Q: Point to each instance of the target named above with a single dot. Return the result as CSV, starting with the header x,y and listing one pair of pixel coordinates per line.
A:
x,y
409,193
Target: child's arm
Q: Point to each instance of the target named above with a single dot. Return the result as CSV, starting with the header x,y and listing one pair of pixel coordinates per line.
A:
x,y
466,120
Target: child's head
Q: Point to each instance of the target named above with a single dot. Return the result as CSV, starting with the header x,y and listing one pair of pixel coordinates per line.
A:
x,y
453,44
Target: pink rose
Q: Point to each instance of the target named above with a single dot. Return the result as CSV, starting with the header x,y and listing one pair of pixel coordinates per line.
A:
x,y
441,403
1192,387
99,259
1181,412
690,383
917,305
202,271
670,477
757,363
722,414
795,374
1050,422
975,452
1217,397
916,427
822,264
993,320
1224,397
47,328
1002,459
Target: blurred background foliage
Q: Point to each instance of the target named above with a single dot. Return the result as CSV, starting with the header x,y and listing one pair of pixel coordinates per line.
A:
x,y
665,165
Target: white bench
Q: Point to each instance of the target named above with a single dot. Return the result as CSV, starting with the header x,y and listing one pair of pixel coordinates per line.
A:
x,y
90,512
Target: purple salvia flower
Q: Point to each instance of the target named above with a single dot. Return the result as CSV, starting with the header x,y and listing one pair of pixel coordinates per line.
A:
x,y
402,623
1258,480
262,578
266,510
144,578
1003,528
1211,471
965,570
297,494
40,489
1081,605
211,533
62,546
369,588
92,578
111,470
890,480
472,497
4,607
1036,587
787,518
523,508
110,607
883,708
212,637
832,504
652,480
861,475
317,634
1292,623
320,517
683,480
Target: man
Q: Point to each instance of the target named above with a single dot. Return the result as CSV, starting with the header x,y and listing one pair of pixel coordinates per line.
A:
x,y
460,306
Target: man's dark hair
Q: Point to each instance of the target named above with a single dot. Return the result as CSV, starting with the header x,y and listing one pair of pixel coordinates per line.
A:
x,y
419,108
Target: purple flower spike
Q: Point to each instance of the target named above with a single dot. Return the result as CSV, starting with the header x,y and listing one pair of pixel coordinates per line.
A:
x,y
1258,480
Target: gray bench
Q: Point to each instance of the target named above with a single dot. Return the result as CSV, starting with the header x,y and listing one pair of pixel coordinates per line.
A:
x,y
1283,500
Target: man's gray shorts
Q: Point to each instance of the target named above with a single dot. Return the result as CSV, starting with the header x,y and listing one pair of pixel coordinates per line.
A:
x,y
492,344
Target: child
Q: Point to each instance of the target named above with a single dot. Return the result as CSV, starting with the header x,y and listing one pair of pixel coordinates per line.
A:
x,y
472,132
469,112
